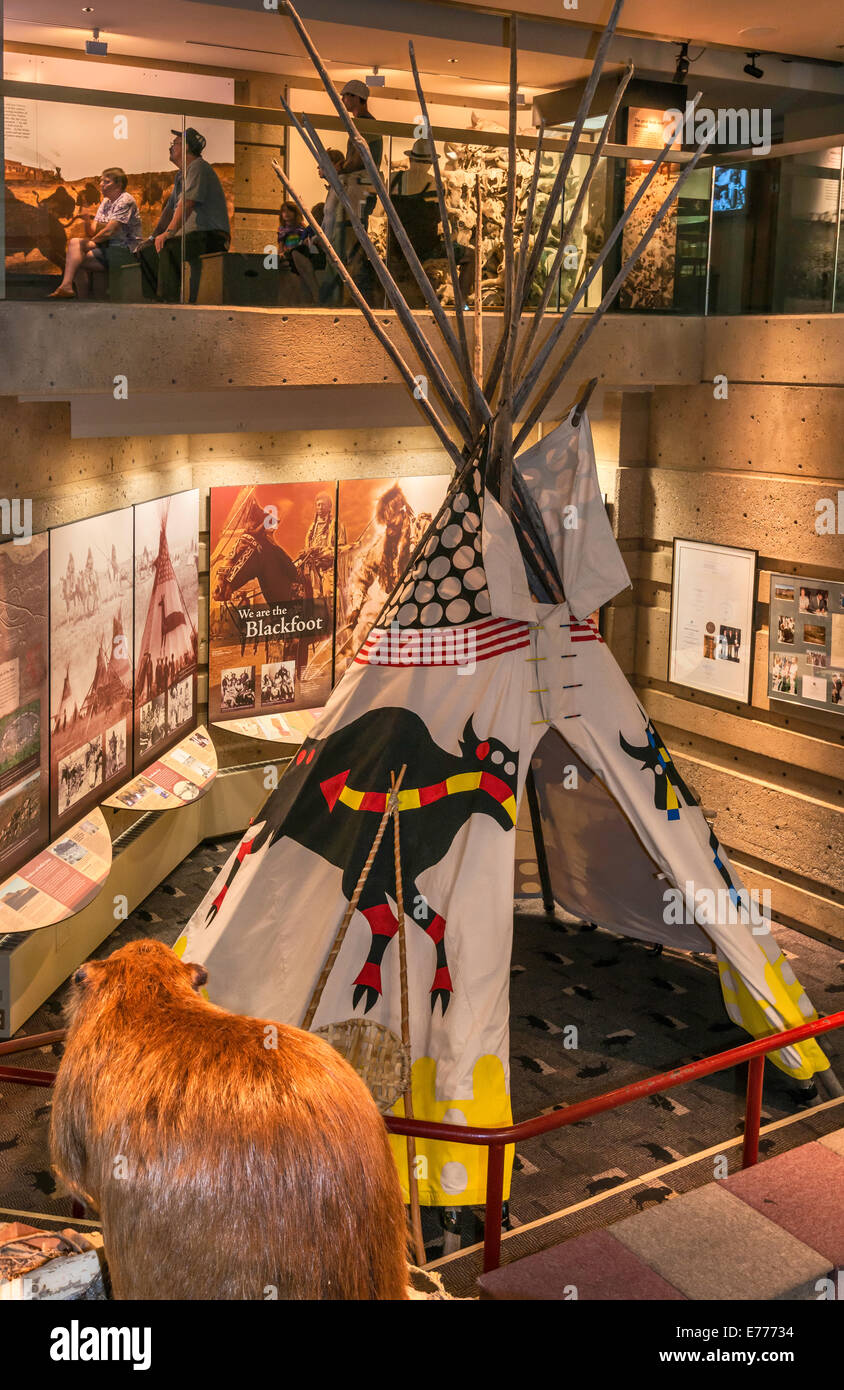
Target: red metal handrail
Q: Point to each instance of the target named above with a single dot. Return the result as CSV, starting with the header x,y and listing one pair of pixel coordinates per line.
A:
x,y
26,1076
496,1139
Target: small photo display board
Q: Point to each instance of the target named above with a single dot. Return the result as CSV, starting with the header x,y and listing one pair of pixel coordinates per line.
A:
x,y
712,596
806,648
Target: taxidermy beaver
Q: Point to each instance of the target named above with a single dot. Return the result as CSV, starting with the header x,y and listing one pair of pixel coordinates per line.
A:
x,y
229,1158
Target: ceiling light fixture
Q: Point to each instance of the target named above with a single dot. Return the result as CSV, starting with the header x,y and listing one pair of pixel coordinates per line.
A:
x,y
682,65
95,47
751,68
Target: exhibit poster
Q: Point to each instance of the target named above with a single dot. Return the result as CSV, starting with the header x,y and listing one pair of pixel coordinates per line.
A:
x,y
59,881
806,643
271,606
24,707
181,775
166,622
711,631
91,576
650,284
381,521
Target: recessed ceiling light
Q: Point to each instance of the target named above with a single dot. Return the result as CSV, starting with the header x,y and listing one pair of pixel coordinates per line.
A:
x,y
761,31
454,60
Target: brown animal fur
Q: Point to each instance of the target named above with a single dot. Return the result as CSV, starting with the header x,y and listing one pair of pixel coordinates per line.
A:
x,y
30,228
247,1168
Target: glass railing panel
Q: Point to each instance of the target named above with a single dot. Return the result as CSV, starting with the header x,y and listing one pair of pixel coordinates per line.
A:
x,y
54,161
669,276
807,214
759,236
838,298
775,235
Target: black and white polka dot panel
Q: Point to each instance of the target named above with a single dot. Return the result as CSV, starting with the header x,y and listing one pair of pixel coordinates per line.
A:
x,y
447,584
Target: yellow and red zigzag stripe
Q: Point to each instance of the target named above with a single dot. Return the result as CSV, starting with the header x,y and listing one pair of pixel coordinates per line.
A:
x,y
411,798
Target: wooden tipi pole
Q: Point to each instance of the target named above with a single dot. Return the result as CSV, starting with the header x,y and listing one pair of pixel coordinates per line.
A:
x,y
412,1180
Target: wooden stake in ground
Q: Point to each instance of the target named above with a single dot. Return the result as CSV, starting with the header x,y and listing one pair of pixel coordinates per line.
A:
x,y
412,1184
349,913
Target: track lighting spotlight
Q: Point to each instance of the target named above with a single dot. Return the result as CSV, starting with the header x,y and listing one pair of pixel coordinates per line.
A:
x,y
751,69
682,66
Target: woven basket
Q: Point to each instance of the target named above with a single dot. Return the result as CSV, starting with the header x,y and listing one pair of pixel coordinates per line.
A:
x,y
380,1058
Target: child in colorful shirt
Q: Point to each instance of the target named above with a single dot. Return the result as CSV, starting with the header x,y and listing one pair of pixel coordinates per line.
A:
x,y
296,247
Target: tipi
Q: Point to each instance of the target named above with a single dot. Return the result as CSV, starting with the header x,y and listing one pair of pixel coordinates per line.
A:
x,y
169,636
484,663
119,663
106,691
67,711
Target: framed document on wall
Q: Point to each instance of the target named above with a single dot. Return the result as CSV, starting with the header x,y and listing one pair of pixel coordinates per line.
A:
x,y
713,589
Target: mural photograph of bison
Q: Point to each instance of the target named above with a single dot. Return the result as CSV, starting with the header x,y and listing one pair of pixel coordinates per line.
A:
x,y
44,210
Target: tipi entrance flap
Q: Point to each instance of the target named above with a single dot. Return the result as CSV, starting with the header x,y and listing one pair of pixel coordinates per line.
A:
x,y
599,868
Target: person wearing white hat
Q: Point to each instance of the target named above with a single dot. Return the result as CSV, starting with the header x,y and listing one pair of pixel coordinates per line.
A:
x,y
418,179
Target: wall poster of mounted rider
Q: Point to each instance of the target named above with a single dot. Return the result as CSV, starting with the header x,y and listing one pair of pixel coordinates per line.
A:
x,y
381,522
91,598
166,622
24,713
271,608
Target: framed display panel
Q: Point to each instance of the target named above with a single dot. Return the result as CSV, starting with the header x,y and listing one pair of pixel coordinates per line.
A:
x,y
271,604
179,777
806,643
91,669
166,622
61,880
380,524
24,701
713,592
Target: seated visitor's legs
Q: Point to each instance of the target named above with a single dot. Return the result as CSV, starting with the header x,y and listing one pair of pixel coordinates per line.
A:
x,y
169,270
199,244
76,253
148,260
83,279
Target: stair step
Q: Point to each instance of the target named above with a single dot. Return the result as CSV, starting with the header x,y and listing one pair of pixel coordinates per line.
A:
x,y
594,1266
710,1245
802,1191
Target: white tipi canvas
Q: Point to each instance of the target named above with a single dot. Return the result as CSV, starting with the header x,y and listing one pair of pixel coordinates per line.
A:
x,y
462,680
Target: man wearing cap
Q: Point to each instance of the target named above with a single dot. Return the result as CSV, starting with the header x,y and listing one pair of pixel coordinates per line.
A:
x,y
355,97
199,209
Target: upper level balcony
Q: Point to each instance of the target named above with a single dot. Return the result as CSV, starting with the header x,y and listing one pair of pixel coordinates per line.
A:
x,y
754,230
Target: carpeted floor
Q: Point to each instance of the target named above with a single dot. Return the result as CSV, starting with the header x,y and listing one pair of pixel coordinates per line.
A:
x,y
633,1013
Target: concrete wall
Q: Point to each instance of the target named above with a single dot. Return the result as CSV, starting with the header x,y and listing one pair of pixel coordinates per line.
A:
x,y
744,471
68,478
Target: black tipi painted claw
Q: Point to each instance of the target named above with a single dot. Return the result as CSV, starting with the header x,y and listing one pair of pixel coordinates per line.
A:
x,y
443,995
367,992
